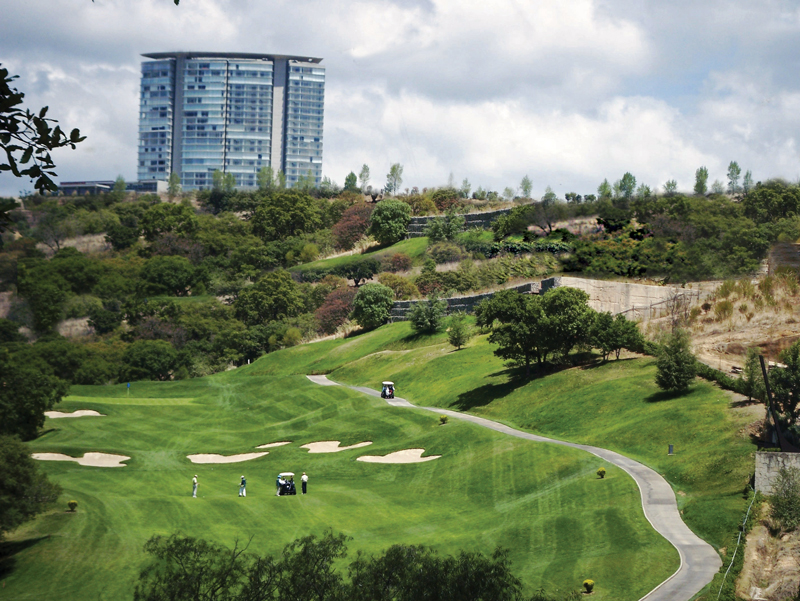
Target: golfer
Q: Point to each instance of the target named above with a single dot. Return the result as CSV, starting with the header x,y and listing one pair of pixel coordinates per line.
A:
x,y
278,483
304,481
243,488
194,487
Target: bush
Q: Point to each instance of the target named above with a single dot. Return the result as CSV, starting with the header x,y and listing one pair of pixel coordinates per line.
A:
x,y
389,221
601,473
446,252
426,316
81,306
353,224
292,337
443,419
372,305
403,288
786,499
420,205
459,332
588,585
446,199
723,310
396,262
73,505
335,309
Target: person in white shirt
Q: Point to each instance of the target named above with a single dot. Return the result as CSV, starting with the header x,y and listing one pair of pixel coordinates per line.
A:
x,y
194,487
243,488
304,481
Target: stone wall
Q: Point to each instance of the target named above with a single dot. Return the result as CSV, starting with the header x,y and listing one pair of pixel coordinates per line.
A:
x,y
416,227
768,465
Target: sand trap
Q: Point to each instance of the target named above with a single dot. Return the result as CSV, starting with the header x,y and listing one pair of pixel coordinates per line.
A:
x,y
331,446
90,459
79,413
214,458
404,456
273,444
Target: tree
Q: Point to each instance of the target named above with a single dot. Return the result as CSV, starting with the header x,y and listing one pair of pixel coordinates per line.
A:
x,y
785,501
734,172
363,177
747,184
335,309
389,221
27,137
459,332
508,193
169,275
24,490
9,332
612,334
627,186
701,181
445,228
643,191
162,218
173,185
372,305
394,178
671,187
785,384
569,319
604,190
124,234
717,187
358,271
275,296
676,365
306,183
351,182
265,179
353,224
286,213
465,188
753,377
526,187
427,317
149,360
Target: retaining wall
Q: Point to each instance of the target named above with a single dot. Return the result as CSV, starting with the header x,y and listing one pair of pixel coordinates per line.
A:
x,y
768,465
465,304
416,227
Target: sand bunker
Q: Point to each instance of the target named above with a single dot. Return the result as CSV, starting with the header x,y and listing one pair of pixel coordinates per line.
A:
x,y
331,446
214,458
404,456
273,444
79,413
90,459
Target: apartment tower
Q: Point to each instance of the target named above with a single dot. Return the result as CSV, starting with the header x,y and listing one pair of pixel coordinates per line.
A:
x,y
234,112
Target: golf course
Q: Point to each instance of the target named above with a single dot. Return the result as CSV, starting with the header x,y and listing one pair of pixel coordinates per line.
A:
x,y
560,522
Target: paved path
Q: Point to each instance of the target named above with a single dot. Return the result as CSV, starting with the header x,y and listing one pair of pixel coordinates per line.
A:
x,y
699,561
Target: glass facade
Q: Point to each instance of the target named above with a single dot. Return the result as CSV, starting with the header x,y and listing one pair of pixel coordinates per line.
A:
x,y
233,113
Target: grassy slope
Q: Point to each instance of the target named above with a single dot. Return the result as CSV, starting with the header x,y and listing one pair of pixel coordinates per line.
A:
x,y
560,522
413,247
615,406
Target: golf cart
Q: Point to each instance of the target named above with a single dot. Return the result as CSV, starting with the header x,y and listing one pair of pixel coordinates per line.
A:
x,y
287,483
387,392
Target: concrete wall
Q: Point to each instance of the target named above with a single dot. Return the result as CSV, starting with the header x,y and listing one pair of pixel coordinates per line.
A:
x,y
768,465
465,304
416,227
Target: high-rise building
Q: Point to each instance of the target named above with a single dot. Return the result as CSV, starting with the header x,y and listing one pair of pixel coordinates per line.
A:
x,y
206,111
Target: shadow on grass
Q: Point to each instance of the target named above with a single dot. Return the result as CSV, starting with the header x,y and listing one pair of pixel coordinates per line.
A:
x,y
483,395
9,549
666,395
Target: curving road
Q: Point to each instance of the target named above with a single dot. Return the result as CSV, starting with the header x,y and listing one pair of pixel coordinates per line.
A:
x,y
699,560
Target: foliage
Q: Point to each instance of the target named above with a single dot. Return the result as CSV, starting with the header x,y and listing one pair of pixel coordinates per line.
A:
x,y
172,276
612,334
73,505
427,317
446,252
275,296
701,181
286,213
394,179
353,224
526,187
9,332
443,419
785,384
601,473
179,219
753,377
358,271
676,364
397,262
459,332
24,490
446,199
588,584
389,221
403,288
27,137
785,501
335,310
420,205
445,228
372,305
149,360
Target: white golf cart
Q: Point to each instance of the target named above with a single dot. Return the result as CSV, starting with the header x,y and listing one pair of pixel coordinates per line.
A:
x,y
387,392
287,483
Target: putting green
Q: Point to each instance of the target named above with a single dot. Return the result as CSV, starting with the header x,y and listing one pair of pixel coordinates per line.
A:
x,y
561,523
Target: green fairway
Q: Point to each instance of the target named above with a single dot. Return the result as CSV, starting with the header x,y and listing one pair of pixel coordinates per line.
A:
x,y
413,247
561,523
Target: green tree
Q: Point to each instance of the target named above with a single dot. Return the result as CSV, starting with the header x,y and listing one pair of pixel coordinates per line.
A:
x,y
149,360
358,271
459,332
734,172
675,364
604,190
394,178
717,187
389,221
785,384
747,183
526,187
671,187
427,317
46,300
627,186
26,138
275,296
363,177
173,185
266,179
701,181
465,188
24,490
785,501
753,377
372,305
169,275
351,182
179,219
9,332
445,228
124,234
286,213
612,334
569,319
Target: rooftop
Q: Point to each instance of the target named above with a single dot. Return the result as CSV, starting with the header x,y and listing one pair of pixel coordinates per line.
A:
x,y
232,55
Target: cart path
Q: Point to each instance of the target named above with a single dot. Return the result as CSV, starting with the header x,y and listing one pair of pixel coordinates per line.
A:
x,y
699,561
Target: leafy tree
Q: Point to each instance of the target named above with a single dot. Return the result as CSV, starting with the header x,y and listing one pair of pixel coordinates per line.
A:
x,y
103,320
363,177
717,187
27,137
125,234
785,501
118,191
627,185
445,199
54,227
701,181
569,318
169,275
353,224
286,213
173,185
24,490
772,201
275,296
372,305
747,184
604,190
734,172
643,191
785,384
149,360
403,288
358,271
394,178
335,310
9,332
465,188
46,300
445,228
26,392
427,317
265,178
526,187
179,219
389,221
351,182
459,332
753,377
676,365
508,193
612,334
671,187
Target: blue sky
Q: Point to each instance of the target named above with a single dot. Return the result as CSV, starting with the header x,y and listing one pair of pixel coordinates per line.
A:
x,y
568,92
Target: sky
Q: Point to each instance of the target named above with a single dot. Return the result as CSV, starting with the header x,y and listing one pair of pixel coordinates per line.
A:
x,y
567,92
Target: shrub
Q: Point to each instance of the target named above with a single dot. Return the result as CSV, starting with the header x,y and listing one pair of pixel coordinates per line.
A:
x,y
588,585
723,310
389,221
443,419
426,316
335,309
403,288
353,224
81,306
396,262
460,332
73,505
446,199
601,472
786,499
292,337
446,252
372,305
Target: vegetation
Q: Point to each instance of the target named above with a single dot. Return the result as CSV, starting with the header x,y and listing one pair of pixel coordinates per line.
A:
x,y
676,364
372,305
427,317
785,500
